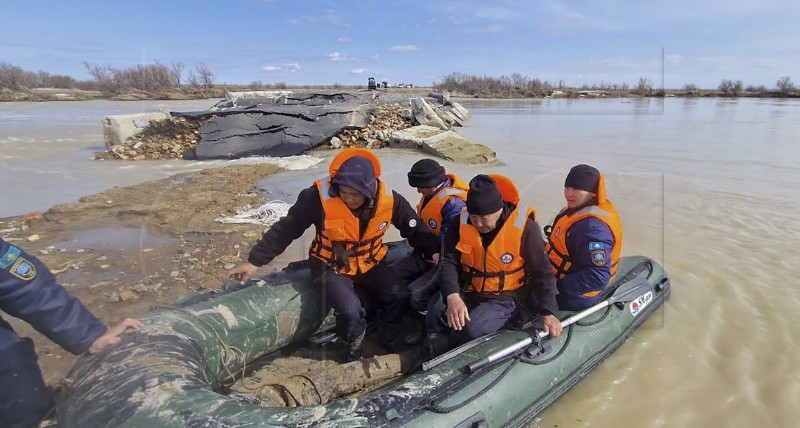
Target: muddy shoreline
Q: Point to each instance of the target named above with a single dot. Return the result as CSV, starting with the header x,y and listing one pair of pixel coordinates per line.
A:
x,y
128,250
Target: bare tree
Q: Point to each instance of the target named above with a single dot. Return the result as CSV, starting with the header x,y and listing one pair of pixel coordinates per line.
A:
x,y
13,77
192,79
731,88
204,76
785,84
103,75
644,86
176,71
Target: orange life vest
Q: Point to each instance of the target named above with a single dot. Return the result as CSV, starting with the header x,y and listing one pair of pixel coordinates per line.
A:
x,y
431,213
500,266
341,226
556,245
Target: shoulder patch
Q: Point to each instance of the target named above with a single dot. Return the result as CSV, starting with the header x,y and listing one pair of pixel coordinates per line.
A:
x,y
599,257
433,224
23,269
597,246
11,255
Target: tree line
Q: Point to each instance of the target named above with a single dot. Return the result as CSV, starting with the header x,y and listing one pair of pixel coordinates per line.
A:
x,y
105,78
520,86
157,77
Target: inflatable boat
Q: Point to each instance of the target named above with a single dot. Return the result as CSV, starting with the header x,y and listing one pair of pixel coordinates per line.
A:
x,y
174,372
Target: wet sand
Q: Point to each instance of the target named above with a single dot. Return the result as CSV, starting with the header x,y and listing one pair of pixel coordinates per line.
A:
x,y
127,250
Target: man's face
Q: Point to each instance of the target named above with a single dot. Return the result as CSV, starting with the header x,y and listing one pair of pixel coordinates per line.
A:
x,y
577,197
485,223
351,197
427,191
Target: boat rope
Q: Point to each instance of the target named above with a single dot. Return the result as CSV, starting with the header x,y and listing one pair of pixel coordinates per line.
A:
x,y
267,214
227,350
593,322
290,394
435,406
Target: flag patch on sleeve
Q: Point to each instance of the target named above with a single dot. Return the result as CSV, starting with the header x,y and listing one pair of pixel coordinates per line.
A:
x,y
597,246
8,259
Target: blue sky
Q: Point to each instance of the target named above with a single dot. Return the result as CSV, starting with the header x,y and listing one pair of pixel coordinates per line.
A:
x,y
326,42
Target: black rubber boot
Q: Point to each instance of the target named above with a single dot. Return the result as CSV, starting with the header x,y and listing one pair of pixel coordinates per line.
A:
x,y
387,333
416,333
354,348
438,344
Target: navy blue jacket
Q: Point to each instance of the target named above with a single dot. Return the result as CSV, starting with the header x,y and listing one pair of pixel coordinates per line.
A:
x,y
585,238
29,291
451,209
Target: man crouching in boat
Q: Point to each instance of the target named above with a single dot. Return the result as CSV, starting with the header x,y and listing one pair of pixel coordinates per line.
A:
x,y
492,250
443,198
585,240
351,210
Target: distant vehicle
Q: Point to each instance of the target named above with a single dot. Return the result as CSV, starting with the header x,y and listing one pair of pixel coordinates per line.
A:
x,y
385,84
371,83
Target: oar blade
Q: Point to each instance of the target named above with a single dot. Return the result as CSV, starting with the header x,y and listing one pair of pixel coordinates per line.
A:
x,y
630,290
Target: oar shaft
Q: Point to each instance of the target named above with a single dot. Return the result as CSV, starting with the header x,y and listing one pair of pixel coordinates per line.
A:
x,y
630,289
511,349
579,316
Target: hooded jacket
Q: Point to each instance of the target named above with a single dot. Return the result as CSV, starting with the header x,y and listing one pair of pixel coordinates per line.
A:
x,y
308,210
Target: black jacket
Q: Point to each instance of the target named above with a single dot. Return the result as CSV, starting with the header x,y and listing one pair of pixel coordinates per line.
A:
x,y
537,266
307,210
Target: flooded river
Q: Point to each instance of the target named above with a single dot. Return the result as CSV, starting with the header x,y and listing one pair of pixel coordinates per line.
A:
x,y
704,186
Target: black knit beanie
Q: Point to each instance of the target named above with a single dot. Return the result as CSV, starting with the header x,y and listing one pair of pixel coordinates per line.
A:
x,y
483,197
426,173
583,177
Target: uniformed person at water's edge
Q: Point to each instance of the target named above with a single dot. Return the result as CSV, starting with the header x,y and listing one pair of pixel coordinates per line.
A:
x,y
30,292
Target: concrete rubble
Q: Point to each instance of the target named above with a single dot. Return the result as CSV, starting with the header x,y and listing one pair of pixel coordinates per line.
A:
x,y
282,123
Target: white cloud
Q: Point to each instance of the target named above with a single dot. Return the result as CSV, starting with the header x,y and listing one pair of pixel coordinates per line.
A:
x,y
358,71
344,39
404,48
289,66
375,57
338,57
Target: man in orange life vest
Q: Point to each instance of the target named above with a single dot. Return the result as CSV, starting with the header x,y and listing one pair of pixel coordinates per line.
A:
x,y
491,251
351,210
585,240
443,199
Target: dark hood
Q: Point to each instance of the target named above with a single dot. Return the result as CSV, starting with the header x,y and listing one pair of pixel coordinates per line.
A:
x,y
357,173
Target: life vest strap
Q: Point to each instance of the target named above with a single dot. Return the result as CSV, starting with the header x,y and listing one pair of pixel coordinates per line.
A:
x,y
475,273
